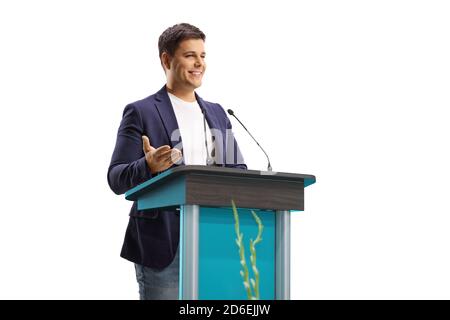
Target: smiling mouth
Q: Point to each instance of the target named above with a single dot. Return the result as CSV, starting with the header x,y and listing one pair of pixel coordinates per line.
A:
x,y
196,73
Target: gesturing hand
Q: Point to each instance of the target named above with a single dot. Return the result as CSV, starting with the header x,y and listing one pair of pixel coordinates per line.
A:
x,y
159,159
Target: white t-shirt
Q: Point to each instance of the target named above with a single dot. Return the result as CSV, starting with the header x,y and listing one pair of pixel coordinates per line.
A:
x,y
190,121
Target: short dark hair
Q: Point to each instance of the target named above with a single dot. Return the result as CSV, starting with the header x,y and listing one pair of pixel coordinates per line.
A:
x,y
172,36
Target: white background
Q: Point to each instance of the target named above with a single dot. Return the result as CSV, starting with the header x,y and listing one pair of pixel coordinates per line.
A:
x,y
354,92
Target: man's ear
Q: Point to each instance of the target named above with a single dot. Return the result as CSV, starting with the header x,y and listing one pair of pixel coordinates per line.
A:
x,y
165,60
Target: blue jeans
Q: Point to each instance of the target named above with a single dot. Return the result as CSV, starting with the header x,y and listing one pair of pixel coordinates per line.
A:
x,y
158,284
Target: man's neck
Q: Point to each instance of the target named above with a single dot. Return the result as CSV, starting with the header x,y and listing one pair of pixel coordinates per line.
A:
x,y
187,95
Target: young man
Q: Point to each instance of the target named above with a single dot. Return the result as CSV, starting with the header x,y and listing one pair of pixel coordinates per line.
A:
x,y
166,129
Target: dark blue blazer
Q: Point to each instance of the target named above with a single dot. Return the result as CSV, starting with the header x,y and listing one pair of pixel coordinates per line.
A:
x,y
152,237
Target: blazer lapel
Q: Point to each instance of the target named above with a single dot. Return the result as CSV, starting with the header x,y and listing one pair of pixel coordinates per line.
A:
x,y
212,122
210,119
169,120
168,117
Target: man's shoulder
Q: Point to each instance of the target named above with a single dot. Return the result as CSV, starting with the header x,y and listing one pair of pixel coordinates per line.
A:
x,y
213,106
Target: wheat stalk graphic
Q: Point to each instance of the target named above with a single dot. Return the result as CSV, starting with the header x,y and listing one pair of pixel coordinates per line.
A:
x,y
244,272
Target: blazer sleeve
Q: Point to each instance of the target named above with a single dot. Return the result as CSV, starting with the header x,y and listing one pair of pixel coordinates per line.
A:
x,y
128,167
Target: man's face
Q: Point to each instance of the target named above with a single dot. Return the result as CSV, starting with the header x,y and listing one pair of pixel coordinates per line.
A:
x,y
187,66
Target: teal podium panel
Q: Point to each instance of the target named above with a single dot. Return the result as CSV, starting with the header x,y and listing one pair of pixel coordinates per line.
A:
x,y
219,258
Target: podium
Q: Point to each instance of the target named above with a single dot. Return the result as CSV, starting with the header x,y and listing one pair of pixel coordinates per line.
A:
x,y
235,228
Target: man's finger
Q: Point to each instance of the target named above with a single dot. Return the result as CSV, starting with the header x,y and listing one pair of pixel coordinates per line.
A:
x,y
176,152
162,155
146,144
175,156
168,162
162,149
172,156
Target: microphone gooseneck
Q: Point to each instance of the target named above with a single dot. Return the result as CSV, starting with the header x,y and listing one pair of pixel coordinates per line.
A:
x,y
209,160
231,113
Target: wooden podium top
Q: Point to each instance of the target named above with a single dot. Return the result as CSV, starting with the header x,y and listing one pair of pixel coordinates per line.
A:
x,y
215,186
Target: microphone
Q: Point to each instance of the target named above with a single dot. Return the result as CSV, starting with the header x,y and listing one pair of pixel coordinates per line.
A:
x,y
231,113
209,160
